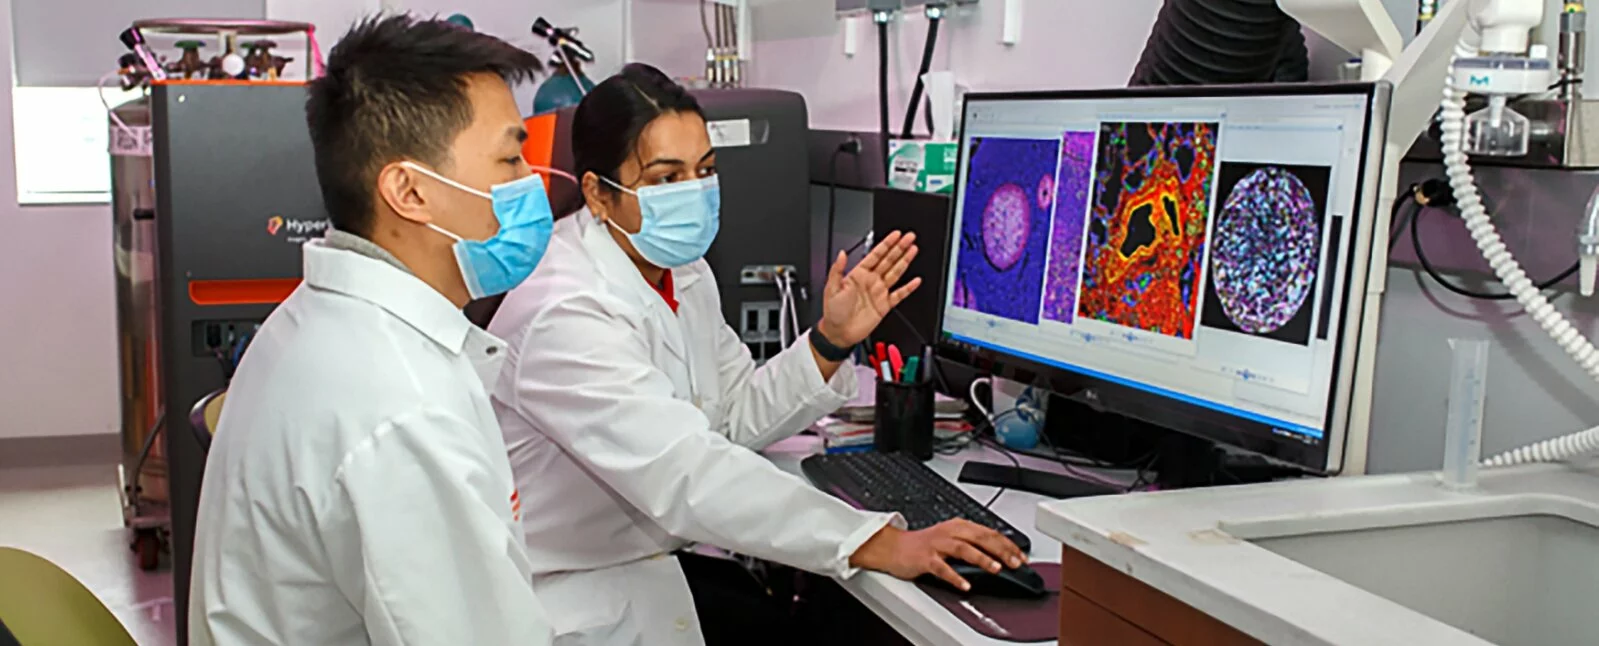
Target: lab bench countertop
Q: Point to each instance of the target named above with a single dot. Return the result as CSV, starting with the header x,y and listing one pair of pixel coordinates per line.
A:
x,y
1196,545
901,603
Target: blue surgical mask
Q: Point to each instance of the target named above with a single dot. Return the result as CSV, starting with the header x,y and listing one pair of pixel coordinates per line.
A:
x,y
679,221
499,264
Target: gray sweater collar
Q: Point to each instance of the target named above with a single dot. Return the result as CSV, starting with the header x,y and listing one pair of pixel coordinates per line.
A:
x,y
336,239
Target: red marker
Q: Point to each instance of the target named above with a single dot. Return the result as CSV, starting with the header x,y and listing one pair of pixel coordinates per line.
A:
x,y
896,362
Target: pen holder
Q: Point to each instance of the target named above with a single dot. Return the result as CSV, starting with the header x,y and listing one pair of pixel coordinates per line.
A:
x,y
903,419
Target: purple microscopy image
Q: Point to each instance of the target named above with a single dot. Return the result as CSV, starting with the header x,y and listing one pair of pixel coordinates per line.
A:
x,y
1007,221
1066,237
964,298
1004,236
1046,192
1267,250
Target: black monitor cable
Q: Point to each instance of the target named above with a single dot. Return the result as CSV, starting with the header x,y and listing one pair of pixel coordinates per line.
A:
x,y
850,147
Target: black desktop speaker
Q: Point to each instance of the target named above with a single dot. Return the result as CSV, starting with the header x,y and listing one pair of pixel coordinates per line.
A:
x,y
928,216
916,321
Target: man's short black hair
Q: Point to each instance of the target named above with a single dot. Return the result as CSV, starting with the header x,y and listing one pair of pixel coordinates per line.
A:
x,y
395,89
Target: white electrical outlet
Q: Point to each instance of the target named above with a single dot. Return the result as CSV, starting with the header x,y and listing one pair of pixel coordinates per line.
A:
x,y
764,274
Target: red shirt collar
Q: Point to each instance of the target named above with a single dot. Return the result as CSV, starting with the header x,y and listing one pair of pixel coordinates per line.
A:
x,y
667,291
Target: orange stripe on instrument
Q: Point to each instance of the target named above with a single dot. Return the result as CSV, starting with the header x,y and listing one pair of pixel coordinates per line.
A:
x,y
246,291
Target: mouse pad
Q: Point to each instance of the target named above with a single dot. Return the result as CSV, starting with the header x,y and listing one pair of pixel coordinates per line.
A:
x,y
1013,620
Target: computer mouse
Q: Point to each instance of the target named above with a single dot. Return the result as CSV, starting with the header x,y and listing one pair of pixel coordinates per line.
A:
x,y
1015,583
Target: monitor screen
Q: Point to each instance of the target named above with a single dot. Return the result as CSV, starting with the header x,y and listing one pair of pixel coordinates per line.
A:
x,y
1192,257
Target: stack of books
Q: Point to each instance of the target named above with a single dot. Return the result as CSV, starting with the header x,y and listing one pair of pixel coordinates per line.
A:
x,y
845,436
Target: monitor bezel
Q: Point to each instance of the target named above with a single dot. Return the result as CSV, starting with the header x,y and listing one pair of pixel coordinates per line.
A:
x,y
1326,457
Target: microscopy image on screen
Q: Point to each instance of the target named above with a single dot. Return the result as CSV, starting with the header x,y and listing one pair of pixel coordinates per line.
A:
x,y
1145,245
1266,250
1010,186
1066,237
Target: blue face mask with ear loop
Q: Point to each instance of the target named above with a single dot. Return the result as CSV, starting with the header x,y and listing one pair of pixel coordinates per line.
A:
x,y
497,265
678,222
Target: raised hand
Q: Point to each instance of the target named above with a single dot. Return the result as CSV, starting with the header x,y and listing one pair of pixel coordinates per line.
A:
x,y
855,303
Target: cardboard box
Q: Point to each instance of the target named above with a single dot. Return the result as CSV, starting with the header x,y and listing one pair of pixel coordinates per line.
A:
x,y
925,166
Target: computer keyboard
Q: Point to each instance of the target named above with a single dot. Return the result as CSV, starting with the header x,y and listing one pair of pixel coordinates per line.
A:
x,y
897,482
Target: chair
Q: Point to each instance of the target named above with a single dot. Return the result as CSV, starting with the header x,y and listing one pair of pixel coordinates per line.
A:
x,y
203,418
43,604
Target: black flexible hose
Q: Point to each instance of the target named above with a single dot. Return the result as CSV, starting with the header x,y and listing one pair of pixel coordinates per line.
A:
x,y
1198,42
1426,265
882,92
1293,62
927,64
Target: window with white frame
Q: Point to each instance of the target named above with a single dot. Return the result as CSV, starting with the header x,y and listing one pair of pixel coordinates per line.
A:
x,y
62,51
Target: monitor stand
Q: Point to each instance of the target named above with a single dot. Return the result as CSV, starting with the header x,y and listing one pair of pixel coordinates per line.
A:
x,y
1180,461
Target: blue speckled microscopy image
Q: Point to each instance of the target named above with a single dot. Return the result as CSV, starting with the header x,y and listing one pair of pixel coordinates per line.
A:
x,y
1267,253
1004,234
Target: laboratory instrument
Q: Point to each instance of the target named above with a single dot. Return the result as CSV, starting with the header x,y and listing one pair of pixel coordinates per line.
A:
x,y
1494,57
896,482
213,190
1120,264
760,142
151,318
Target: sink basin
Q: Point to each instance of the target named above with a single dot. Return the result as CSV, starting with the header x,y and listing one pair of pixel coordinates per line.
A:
x,y
1512,570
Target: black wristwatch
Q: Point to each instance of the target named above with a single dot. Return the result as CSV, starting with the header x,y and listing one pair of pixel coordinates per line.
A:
x,y
826,348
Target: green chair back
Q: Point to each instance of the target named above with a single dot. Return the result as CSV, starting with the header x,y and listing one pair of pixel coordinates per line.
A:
x,y
43,605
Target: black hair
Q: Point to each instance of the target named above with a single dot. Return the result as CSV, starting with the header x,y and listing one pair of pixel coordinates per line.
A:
x,y
395,89
610,119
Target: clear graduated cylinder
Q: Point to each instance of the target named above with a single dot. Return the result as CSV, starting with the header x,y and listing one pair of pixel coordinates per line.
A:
x,y
1468,388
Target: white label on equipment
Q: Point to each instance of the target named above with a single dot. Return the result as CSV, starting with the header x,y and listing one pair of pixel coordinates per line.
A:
x,y
131,141
734,133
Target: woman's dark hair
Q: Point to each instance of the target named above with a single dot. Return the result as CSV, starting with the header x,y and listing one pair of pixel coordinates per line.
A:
x,y
610,119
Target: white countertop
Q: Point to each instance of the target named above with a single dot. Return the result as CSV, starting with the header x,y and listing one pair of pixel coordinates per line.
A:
x,y
1178,543
900,603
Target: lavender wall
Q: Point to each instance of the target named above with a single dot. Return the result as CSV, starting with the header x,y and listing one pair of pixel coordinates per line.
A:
x,y
58,366
1064,44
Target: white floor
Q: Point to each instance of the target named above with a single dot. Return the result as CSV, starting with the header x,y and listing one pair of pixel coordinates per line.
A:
x,y
72,516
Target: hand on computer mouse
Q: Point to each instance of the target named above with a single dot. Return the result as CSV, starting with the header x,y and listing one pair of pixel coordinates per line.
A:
x,y
908,555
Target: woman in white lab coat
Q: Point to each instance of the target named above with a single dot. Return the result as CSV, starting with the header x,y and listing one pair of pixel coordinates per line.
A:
x,y
633,414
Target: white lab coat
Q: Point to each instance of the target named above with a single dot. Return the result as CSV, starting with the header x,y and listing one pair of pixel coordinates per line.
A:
x,y
633,432
357,491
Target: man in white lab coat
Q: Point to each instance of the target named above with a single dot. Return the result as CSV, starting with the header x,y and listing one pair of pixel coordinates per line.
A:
x,y
632,413
358,491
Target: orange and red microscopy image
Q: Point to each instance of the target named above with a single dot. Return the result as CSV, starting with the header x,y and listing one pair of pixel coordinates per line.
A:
x,y
1145,251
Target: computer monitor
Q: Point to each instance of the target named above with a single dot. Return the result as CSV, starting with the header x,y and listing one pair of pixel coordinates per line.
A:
x,y
1193,257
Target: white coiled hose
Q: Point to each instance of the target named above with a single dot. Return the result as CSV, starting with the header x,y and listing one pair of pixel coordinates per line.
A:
x,y
1510,273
